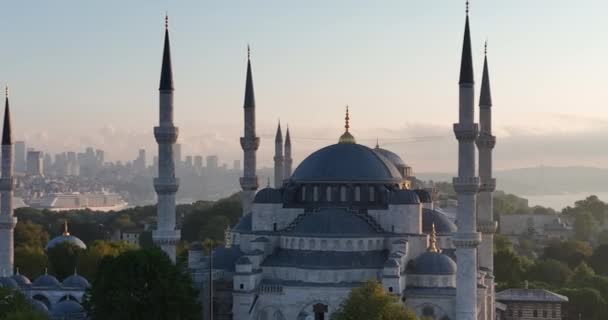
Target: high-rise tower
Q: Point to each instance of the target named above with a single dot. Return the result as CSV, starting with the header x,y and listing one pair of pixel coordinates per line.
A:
x,y
288,160
7,184
485,206
278,158
249,142
166,185
466,185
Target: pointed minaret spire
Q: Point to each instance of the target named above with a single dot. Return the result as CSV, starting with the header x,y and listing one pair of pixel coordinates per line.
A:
x,y
466,62
249,143
288,160
278,158
7,136
166,74
485,98
249,95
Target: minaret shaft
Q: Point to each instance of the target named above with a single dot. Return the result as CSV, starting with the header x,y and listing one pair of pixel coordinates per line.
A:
x,y
466,186
288,160
249,143
7,186
278,158
166,185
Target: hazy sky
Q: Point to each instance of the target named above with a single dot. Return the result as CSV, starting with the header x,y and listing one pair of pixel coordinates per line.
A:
x,y
86,73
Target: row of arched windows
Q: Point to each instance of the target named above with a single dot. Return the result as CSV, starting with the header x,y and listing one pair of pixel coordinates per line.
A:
x,y
342,193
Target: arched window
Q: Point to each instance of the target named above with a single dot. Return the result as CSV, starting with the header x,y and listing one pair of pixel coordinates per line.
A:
x,y
343,193
429,312
303,193
328,193
357,193
372,194
312,244
315,193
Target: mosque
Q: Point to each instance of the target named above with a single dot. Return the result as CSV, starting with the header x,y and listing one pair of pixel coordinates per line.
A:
x,y
347,214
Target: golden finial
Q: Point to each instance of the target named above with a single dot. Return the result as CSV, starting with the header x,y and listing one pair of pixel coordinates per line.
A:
x,y
166,20
433,240
6,91
248,52
227,237
485,48
65,228
347,137
346,126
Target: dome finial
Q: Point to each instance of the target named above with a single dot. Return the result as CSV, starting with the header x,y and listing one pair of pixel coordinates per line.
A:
x,y
167,20
268,183
467,7
377,144
248,52
347,137
6,91
65,228
433,240
227,237
485,48
46,271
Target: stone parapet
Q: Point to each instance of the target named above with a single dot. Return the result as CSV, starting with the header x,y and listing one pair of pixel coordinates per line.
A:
x,y
487,227
166,237
249,183
466,184
466,240
166,135
487,184
250,144
485,141
166,185
466,132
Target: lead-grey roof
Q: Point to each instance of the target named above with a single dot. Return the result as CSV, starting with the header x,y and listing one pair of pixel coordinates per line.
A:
x,y
76,281
404,196
268,195
394,158
307,259
443,225
8,282
225,258
46,280
332,221
68,309
21,279
432,263
66,239
346,162
244,224
530,295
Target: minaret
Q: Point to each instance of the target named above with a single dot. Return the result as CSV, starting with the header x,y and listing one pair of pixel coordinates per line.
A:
x,y
166,236
485,206
278,158
249,142
7,184
288,160
466,185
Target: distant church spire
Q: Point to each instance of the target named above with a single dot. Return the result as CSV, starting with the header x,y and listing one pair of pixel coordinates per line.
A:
x,y
7,136
347,137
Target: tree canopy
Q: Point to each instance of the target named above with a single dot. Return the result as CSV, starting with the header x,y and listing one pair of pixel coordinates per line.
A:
x,y
15,306
141,284
371,302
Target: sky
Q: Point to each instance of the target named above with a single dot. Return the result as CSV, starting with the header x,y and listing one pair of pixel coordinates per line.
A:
x,y
86,73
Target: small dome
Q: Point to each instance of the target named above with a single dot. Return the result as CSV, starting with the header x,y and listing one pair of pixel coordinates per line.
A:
x,y
394,158
425,196
8,282
346,162
76,281
443,225
21,279
66,237
404,196
334,221
68,309
268,195
243,260
432,263
39,306
46,280
196,246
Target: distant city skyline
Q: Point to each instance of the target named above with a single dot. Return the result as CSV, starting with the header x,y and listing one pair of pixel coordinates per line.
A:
x,y
95,83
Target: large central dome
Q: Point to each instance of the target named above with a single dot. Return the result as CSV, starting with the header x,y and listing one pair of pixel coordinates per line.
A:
x,y
346,162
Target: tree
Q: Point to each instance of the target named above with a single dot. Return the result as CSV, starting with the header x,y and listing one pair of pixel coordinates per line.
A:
x,y
510,268
89,260
599,259
571,252
14,305
582,274
583,226
63,259
553,272
31,261
586,302
371,302
30,234
141,284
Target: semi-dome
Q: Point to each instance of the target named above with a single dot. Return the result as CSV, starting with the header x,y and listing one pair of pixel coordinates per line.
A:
x,y
346,162
442,223
335,221
76,281
404,196
39,306
21,279
66,237
394,158
8,282
268,195
68,309
432,263
47,281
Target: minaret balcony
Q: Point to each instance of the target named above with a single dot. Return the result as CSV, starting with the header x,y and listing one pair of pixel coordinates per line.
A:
x,y
485,141
466,184
166,237
487,227
250,144
487,184
167,135
249,183
466,132
166,185
466,240
7,184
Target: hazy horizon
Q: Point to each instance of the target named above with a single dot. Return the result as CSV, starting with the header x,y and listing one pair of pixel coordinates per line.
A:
x,y
87,75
